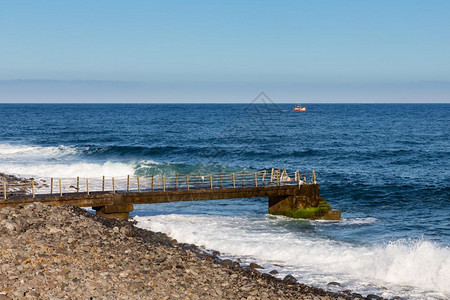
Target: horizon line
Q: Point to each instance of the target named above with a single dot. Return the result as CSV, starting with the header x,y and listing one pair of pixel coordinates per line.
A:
x,y
223,103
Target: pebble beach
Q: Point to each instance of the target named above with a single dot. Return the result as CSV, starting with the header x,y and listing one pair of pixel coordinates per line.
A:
x,y
50,252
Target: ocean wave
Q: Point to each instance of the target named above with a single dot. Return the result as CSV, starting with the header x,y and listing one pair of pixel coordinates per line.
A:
x,y
213,150
144,168
128,151
421,265
72,169
30,152
69,161
69,170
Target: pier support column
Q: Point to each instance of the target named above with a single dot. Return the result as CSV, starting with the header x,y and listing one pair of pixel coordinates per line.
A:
x,y
305,203
120,211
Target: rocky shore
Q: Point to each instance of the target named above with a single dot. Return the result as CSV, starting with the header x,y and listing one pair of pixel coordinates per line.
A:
x,y
49,252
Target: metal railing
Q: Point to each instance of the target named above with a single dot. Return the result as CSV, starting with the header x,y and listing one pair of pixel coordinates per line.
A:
x,y
153,183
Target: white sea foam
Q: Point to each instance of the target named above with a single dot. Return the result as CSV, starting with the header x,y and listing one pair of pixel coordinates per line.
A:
x,y
30,152
60,161
69,170
358,221
414,269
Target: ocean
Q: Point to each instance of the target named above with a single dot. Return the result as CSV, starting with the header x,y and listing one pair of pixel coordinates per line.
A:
x,y
385,166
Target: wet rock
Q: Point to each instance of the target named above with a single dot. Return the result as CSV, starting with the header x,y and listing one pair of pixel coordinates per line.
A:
x,y
356,295
334,283
273,272
373,297
228,263
255,266
236,265
290,279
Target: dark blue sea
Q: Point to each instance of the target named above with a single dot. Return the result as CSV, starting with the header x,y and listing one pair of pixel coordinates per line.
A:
x,y
385,166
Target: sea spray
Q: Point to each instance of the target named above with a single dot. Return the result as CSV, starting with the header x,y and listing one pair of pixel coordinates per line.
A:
x,y
69,169
410,268
21,153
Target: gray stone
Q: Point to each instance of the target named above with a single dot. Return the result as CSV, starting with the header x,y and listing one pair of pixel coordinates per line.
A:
x,y
68,253
290,279
227,263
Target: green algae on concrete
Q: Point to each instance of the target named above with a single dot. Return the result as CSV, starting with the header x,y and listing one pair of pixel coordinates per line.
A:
x,y
305,203
321,212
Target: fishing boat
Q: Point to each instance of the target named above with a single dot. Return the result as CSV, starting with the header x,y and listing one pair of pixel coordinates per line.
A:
x,y
299,108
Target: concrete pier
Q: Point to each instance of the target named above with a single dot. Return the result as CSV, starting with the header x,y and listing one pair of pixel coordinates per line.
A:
x,y
287,195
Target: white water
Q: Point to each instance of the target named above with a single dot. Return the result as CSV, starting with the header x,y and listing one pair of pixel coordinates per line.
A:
x,y
60,162
413,269
68,169
30,152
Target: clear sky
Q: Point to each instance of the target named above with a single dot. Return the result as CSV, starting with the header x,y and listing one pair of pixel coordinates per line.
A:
x,y
211,51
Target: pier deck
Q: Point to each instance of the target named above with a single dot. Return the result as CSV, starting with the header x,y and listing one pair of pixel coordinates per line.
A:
x,y
289,194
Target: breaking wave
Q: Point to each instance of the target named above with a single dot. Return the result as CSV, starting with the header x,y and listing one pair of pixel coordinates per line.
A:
x,y
409,268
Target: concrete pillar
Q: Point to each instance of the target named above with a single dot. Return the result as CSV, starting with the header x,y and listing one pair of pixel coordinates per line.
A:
x,y
305,203
120,211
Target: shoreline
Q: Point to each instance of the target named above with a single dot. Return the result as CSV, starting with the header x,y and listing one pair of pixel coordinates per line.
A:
x,y
84,255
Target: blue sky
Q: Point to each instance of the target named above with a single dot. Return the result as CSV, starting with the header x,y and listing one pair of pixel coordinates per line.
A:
x,y
212,51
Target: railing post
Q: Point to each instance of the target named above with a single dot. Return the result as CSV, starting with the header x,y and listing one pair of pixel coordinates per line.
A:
x,y
103,183
256,179
210,181
264,177
25,188
4,190
243,178
314,177
271,177
60,188
234,181
153,180
32,187
128,183
199,179
87,186
297,174
164,182
139,184
51,186
176,180
78,184
187,181
221,178
278,178
113,185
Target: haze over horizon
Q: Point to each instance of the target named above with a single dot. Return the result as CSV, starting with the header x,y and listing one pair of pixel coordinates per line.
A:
x,y
206,52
